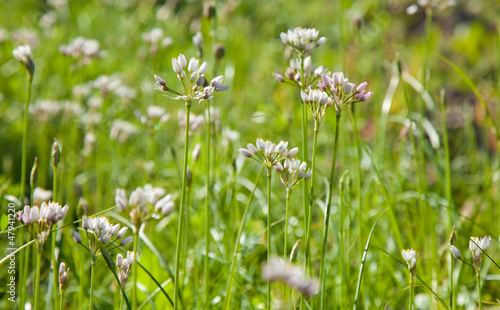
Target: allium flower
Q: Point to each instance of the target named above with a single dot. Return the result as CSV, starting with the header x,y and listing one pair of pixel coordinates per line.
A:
x,y
302,40
23,54
456,252
100,232
293,73
82,48
294,276
144,203
410,256
342,91
318,101
293,172
63,277
123,265
477,246
192,77
40,220
268,153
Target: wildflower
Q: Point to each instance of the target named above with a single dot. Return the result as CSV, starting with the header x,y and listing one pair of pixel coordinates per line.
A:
x,y
302,40
299,69
193,80
477,246
341,91
266,153
410,256
82,48
318,101
294,276
124,265
144,203
63,277
40,195
455,252
156,38
40,220
23,54
293,172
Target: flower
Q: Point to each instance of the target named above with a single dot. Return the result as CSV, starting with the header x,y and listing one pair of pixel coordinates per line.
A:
x,y
302,40
318,101
438,5
41,219
267,153
410,256
477,246
341,91
293,172
40,195
299,69
123,265
294,276
82,48
23,54
63,277
455,252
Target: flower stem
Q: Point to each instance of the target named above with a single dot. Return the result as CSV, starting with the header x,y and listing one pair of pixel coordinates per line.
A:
x,y
327,214
304,142
92,272
285,233
358,169
135,247
269,175
237,244
311,200
181,211
207,206
410,306
37,278
478,277
61,300
25,139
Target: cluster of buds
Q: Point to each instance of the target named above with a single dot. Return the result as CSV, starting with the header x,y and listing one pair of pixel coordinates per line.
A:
x,y
124,265
63,277
292,172
101,232
318,101
294,276
82,48
477,246
40,220
144,203
23,54
195,86
298,70
342,91
302,40
410,256
268,153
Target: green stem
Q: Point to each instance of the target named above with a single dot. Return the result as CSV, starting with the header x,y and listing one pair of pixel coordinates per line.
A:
x,y
410,306
269,175
311,200
37,278
478,277
304,143
237,244
285,251
452,290
181,211
61,300
135,248
428,26
25,139
358,170
207,206
121,301
327,214
92,272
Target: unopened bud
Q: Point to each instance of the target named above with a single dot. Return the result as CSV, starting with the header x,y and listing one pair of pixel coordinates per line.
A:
x,y
279,77
76,237
55,154
295,251
453,237
126,241
34,173
455,252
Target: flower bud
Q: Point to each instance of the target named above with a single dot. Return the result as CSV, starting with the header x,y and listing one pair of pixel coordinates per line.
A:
x,y
126,241
455,252
293,152
176,66
121,233
294,252
121,199
76,237
119,260
245,152
279,77
252,148
55,154
34,173
278,167
219,51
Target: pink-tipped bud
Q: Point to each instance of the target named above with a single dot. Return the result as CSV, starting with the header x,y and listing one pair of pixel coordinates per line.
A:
x,y
278,167
279,77
245,152
292,152
76,237
321,41
361,87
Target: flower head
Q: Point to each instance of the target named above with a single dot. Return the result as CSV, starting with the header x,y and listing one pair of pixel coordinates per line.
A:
x,y
123,265
318,101
23,54
267,153
293,172
63,277
341,91
302,40
301,72
410,256
294,276
477,246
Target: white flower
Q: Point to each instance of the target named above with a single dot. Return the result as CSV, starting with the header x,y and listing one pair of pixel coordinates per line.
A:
x,y
456,253
410,256
22,53
294,276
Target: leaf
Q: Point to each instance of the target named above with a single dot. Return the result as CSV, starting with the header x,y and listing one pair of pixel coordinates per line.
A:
x,y
111,265
4,221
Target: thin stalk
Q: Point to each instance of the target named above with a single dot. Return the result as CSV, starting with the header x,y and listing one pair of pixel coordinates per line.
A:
x,y
311,199
135,248
269,175
37,278
478,277
237,244
358,170
410,306
304,142
61,300
181,211
81,282
92,272
121,301
428,26
452,289
285,242
207,206
327,214
55,279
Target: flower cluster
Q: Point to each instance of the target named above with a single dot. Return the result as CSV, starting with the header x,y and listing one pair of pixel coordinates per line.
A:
x,y
293,172
23,54
268,153
410,256
100,232
298,70
63,277
342,91
124,265
193,80
156,37
41,219
294,276
82,48
302,40
477,246
318,101
144,203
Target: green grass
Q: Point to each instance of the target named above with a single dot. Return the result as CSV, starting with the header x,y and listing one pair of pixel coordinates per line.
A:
x,y
410,161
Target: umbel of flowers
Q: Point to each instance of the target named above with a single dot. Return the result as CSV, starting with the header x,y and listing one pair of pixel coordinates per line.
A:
x,y
123,265
268,153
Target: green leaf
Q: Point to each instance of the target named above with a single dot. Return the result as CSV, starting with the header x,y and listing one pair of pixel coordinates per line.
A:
x,y
111,265
4,221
